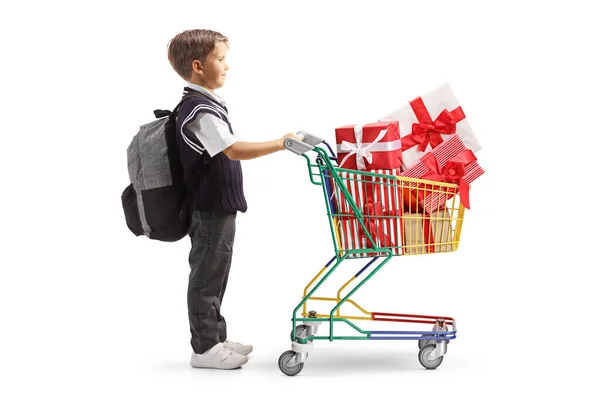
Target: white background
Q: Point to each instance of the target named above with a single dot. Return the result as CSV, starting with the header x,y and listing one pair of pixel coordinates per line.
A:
x,y
88,311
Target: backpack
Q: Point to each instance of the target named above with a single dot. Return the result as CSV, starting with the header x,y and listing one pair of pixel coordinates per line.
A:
x,y
156,203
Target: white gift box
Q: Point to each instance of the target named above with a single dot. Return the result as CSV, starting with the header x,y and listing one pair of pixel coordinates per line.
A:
x,y
427,121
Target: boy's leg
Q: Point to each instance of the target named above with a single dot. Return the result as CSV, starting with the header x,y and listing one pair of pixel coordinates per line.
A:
x,y
212,237
220,319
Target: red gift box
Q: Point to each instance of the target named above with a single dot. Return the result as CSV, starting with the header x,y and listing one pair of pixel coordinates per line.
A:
x,y
369,147
449,162
378,200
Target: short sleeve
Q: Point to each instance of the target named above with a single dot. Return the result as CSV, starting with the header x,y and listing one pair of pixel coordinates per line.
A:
x,y
212,132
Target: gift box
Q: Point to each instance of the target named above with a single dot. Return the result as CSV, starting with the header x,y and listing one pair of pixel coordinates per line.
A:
x,y
450,162
367,147
383,211
427,233
428,121
378,201
333,209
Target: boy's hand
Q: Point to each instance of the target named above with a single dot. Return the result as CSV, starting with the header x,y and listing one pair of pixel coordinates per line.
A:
x,y
287,135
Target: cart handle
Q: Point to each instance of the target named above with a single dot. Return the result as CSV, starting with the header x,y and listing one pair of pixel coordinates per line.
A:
x,y
306,143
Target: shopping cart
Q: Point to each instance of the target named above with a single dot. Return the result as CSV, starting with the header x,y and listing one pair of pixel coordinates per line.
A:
x,y
373,216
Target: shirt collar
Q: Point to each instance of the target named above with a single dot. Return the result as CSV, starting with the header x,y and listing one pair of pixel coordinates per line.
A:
x,y
206,92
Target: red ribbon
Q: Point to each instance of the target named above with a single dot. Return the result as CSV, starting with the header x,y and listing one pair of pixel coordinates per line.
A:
x,y
427,131
452,172
428,237
374,224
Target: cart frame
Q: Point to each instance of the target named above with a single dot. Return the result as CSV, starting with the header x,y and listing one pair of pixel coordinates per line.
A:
x,y
432,343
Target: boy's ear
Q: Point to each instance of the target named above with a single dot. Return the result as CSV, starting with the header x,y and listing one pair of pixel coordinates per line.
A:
x,y
197,66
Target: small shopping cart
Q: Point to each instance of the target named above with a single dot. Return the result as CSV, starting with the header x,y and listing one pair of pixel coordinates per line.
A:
x,y
374,216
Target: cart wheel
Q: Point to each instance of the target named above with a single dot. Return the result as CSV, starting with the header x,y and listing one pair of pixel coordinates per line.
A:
x,y
300,331
424,353
423,343
284,359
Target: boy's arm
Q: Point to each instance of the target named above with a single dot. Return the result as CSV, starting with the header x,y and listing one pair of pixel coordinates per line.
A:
x,y
213,134
250,150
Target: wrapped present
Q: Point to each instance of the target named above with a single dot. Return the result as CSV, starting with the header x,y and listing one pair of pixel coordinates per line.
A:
x,y
409,199
370,146
377,226
329,185
347,226
449,162
384,209
429,120
427,233
441,230
377,200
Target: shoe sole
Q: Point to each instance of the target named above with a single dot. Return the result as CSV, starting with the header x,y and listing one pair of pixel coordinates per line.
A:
x,y
235,366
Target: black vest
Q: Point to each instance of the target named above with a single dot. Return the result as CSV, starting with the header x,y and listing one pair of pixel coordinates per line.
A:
x,y
217,180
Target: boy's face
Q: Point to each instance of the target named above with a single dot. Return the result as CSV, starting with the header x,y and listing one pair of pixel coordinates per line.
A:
x,y
214,68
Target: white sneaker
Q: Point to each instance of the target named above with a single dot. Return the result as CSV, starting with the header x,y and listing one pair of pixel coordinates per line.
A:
x,y
243,349
218,357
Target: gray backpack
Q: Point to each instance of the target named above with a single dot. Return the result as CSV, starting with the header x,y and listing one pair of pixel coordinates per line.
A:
x,y
156,202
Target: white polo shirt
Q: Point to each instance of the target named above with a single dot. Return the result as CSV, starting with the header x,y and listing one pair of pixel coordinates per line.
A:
x,y
212,131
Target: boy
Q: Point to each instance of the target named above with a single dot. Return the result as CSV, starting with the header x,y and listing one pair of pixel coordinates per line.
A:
x,y
210,155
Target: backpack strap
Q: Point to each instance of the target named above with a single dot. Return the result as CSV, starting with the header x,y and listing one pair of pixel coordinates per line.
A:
x,y
167,113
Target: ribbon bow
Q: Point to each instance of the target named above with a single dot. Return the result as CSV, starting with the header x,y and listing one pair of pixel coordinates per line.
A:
x,y
361,150
428,131
452,172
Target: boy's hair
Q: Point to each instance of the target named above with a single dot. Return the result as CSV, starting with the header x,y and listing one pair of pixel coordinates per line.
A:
x,y
192,45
